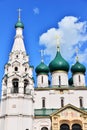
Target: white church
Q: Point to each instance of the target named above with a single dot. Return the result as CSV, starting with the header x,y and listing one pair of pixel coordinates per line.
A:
x,y
58,105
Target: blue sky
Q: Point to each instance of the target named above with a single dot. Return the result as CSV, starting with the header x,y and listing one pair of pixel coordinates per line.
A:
x,y
43,19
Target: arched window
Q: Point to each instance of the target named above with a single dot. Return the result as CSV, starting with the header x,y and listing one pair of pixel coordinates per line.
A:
x,y
64,127
16,56
16,68
26,82
76,127
15,83
44,128
43,102
41,79
81,102
25,69
59,80
62,101
79,78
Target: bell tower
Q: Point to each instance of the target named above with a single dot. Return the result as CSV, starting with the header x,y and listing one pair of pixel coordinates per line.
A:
x,y
17,87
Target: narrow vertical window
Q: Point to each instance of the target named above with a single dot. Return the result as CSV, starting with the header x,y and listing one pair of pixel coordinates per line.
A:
x,y
43,102
81,102
79,78
42,79
62,101
59,81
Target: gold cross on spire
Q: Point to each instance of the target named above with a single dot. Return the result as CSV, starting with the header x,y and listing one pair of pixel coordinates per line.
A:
x,y
77,58
58,42
19,14
42,55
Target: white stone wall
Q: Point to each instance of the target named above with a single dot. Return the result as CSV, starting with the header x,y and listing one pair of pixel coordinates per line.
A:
x,y
18,112
41,122
53,98
45,80
3,107
76,79
17,123
2,123
17,105
63,77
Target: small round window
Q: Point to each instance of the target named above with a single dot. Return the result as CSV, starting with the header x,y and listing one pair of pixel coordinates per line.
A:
x,y
16,68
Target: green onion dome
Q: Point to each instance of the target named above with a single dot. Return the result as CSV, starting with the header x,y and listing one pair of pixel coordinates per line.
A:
x,y
19,24
42,69
59,63
78,67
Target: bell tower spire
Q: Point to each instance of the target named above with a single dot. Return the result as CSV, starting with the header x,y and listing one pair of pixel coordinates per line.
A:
x,y
18,41
17,86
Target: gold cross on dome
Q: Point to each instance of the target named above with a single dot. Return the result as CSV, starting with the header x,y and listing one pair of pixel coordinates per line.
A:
x,y
58,42
19,14
42,55
77,58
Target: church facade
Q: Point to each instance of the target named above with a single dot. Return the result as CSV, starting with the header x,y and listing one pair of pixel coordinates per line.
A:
x,y
59,105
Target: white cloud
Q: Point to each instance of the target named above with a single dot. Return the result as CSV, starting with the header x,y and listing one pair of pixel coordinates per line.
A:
x,y
36,10
72,34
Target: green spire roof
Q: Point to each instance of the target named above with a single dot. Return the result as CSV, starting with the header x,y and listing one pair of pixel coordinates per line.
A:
x,y
59,63
42,69
78,67
19,24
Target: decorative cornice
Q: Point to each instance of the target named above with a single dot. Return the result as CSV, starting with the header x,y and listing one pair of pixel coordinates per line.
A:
x,y
60,88
17,115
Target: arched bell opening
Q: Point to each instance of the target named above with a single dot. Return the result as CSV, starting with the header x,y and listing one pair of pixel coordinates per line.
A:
x,y
26,83
15,83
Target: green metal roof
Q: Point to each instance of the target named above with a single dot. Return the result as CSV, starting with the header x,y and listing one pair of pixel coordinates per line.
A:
x,y
78,67
19,24
59,63
44,112
42,69
48,112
